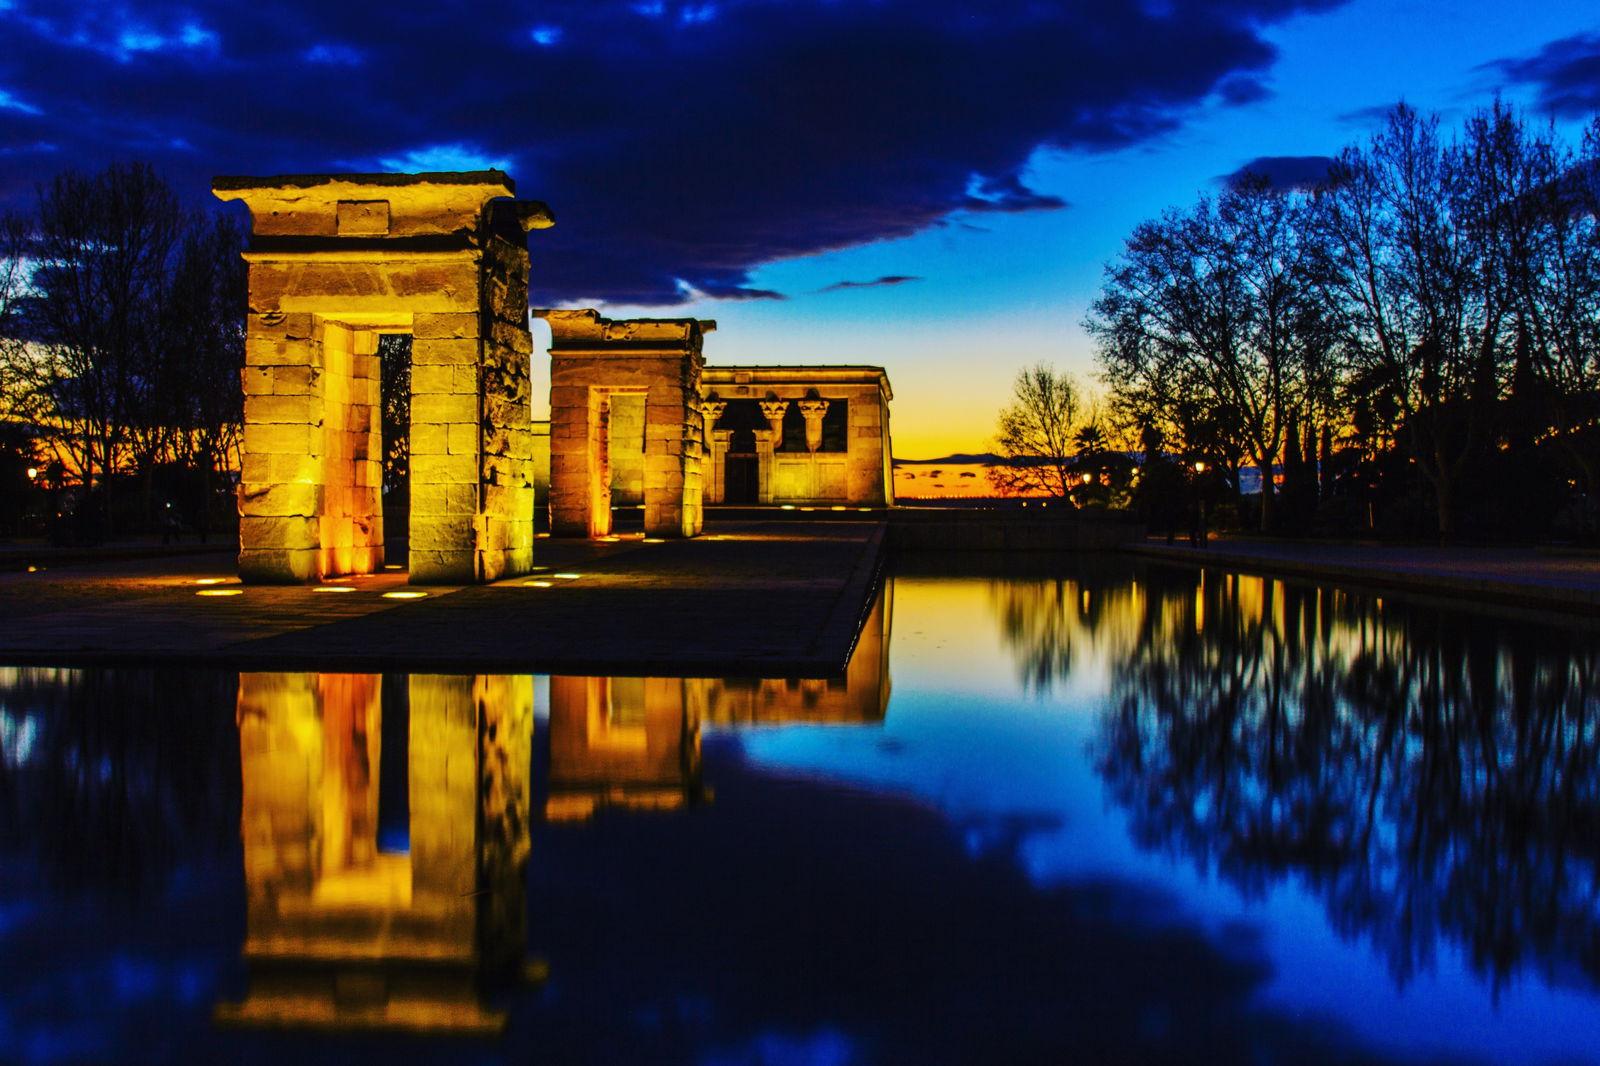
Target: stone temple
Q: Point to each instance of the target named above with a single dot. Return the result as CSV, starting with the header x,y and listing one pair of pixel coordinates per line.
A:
x,y
337,261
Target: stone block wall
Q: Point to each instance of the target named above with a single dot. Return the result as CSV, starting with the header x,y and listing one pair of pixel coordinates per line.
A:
x,y
334,261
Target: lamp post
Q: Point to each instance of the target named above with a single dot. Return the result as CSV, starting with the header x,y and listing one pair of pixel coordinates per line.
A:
x,y
1200,493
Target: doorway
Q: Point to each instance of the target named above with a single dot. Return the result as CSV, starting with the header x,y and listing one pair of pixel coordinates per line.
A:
x,y
394,387
741,475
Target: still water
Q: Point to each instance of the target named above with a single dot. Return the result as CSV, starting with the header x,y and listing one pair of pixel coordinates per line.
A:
x,y
1120,814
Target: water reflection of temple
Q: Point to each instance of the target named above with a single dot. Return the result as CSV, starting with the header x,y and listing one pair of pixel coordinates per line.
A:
x,y
634,742
385,827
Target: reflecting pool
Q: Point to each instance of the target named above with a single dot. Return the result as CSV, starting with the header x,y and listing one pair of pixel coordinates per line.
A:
x,y
1107,813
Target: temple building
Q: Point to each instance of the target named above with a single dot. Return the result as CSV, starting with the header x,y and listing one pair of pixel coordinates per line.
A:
x,y
798,435
638,419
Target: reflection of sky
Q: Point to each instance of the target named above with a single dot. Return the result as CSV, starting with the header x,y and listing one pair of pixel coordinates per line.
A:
x,y
962,735
86,972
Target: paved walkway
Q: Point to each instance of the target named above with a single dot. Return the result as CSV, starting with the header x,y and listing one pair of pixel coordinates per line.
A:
x,y
756,599
1520,577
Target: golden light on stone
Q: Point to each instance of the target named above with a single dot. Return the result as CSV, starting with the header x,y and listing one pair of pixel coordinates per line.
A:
x,y
654,540
640,381
333,588
211,580
220,592
405,594
854,469
335,261
567,576
537,584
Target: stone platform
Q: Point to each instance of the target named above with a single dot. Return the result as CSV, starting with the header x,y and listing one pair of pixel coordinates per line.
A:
x,y
758,599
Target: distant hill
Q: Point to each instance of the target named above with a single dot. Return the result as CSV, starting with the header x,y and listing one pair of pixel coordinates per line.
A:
x,y
959,459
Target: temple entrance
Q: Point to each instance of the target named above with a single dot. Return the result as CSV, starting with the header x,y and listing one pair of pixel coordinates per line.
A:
x,y
338,261
394,388
742,469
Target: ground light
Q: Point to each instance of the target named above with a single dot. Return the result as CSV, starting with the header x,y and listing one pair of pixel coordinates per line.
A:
x,y
654,540
536,584
567,577
405,594
211,580
220,592
333,588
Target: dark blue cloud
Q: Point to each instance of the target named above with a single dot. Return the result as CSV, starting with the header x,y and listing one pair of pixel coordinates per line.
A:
x,y
1565,73
875,283
1008,194
1284,171
680,143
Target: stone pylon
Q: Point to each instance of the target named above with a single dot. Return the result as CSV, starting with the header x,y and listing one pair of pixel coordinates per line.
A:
x,y
593,359
335,260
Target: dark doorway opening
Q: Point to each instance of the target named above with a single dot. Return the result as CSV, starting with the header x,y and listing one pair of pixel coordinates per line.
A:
x,y
741,470
394,375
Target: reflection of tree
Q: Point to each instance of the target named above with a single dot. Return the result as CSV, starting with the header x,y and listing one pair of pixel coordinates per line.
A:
x,y
115,777
1053,625
1428,776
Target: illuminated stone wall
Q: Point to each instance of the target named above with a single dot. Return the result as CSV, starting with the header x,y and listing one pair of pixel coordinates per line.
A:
x,y
336,260
860,475
594,360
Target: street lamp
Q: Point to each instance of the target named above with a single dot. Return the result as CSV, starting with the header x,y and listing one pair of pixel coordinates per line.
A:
x,y
1200,532
33,473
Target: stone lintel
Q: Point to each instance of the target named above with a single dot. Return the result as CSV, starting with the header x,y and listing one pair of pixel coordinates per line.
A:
x,y
583,331
800,377
375,207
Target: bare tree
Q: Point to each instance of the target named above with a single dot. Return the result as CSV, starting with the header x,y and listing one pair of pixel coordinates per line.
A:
x,y
1411,266
1212,308
203,353
105,248
14,350
1036,434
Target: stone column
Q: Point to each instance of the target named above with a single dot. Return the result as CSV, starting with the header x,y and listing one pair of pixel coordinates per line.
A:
x,y
717,483
812,411
281,475
773,411
673,461
765,443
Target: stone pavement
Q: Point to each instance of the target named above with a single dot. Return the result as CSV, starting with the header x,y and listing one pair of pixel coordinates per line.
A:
x,y
1517,577
758,599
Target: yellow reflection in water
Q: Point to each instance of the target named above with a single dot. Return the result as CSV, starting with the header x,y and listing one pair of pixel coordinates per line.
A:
x,y
341,931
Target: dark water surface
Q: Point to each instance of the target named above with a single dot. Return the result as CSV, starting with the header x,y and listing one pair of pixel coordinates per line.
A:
x,y
1118,814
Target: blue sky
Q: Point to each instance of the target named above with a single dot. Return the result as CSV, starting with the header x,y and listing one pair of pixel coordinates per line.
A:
x,y
761,163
